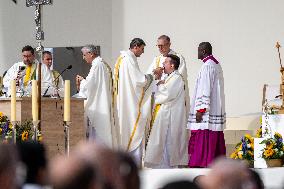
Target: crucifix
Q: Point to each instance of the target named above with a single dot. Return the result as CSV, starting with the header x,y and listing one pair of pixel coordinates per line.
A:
x,y
281,111
39,49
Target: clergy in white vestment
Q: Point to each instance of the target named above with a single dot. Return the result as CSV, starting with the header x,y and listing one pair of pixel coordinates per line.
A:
x,y
167,143
56,77
132,88
207,117
164,46
25,71
97,88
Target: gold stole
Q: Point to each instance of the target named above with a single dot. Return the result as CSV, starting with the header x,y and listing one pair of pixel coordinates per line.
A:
x,y
158,61
116,75
30,74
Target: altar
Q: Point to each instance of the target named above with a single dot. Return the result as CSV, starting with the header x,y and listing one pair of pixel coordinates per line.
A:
x,y
52,128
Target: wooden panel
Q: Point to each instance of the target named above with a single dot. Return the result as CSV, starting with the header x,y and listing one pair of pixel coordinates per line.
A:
x,y
52,121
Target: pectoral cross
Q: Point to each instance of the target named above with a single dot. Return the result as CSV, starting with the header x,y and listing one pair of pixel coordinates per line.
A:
x,y
39,38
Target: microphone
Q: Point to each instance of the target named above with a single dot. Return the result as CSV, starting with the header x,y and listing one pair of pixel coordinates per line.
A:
x,y
68,68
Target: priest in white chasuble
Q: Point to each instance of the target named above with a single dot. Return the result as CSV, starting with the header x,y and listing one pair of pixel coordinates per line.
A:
x,y
207,118
97,88
164,46
167,143
132,88
25,71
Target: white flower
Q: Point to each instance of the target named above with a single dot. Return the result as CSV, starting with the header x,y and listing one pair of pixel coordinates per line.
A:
x,y
248,145
240,152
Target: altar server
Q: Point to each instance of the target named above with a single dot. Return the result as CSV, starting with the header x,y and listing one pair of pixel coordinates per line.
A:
x,y
207,116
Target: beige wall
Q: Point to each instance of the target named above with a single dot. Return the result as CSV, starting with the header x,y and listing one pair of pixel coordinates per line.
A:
x,y
65,23
243,34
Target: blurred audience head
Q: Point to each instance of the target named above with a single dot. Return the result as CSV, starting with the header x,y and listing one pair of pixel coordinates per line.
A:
x,y
256,179
72,173
33,157
198,180
183,184
129,171
8,163
227,174
106,162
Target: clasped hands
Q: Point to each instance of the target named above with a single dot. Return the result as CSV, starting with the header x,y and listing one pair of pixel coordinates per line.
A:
x,y
158,72
78,81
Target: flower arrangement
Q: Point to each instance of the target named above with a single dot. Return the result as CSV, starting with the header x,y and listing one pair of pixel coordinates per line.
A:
x,y
274,148
244,150
24,131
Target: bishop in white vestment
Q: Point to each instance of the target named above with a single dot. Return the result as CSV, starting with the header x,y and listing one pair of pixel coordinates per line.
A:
x,y
97,88
132,88
167,144
207,117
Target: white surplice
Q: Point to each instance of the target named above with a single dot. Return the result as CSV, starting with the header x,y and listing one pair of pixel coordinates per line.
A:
x,y
46,76
132,91
97,88
168,137
209,94
158,62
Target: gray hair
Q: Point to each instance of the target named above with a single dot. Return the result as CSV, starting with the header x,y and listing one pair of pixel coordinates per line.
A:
x,y
91,49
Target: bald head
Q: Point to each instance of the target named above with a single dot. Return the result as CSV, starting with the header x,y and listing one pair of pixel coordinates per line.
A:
x,y
227,174
72,172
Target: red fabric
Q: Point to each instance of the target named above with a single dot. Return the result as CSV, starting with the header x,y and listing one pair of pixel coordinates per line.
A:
x,y
202,110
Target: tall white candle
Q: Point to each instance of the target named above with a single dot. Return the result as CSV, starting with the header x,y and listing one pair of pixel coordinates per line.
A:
x,y
13,100
67,101
34,100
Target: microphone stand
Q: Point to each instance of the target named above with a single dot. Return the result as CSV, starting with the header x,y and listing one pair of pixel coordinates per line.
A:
x,y
44,95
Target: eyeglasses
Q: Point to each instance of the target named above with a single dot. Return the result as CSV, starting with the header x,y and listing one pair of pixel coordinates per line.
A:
x,y
161,46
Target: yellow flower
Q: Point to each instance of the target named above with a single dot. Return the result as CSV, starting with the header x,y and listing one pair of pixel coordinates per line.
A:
x,y
249,137
250,153
252,146
25,136
259,133
240,154
10,126
277,135
1,132
1,114
234,155
269,144
268,153
260,120
40,138
239,148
